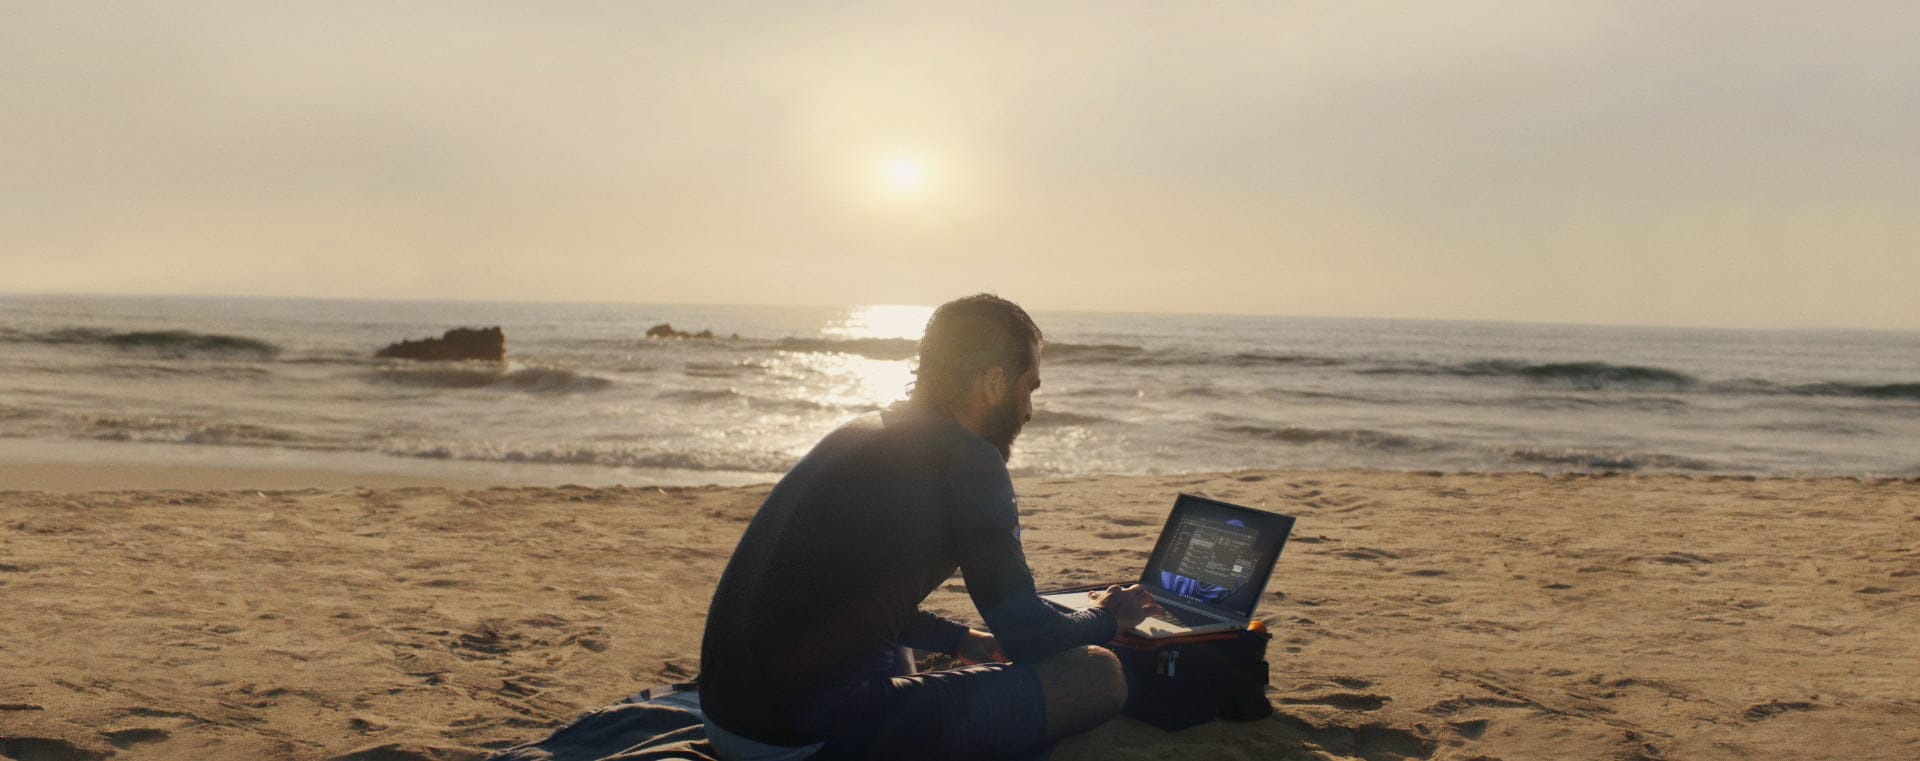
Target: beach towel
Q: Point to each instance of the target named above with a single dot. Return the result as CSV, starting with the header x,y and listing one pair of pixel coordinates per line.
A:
x,y
661,723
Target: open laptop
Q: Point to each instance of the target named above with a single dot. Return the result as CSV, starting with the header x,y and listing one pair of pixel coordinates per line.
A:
x,y
1208,568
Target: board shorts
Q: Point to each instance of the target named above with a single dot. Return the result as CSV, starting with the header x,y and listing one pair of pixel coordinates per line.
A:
x,y
995,710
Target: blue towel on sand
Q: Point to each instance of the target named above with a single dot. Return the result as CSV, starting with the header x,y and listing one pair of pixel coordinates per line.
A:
x,y
661,723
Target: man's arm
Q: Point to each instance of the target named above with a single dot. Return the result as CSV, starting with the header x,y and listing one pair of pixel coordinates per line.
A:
x,y
934,633
985,523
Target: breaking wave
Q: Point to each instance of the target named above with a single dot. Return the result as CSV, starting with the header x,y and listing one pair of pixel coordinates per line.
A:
x,y
1607,460
167,343
1062,419
1887,391
1861,390
1092,353
1354,437
539,380
186,431
1586,375
749,462
729,395
871,348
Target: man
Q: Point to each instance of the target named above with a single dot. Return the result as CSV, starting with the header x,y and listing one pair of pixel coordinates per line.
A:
x,y
805,653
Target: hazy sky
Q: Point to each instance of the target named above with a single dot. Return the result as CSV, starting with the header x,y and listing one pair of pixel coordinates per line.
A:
x,y
1741,164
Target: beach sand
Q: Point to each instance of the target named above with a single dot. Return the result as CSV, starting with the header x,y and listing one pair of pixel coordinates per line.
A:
x,y
1416,616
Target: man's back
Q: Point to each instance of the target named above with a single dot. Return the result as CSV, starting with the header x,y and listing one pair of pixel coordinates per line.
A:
x,y
832,569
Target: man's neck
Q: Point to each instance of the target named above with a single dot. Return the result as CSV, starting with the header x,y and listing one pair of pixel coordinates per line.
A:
x,y
975,422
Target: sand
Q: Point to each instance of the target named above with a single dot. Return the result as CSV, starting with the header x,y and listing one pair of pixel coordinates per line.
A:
x,y
74,476
1417,616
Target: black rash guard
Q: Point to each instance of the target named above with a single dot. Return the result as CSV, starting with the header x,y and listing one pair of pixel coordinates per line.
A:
x,y
829,576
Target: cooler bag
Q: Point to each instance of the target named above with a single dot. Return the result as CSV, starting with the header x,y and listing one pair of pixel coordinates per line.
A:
x,y
1177,682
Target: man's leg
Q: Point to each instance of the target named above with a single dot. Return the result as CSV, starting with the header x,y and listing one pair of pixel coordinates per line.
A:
x,y
1084,688
994,711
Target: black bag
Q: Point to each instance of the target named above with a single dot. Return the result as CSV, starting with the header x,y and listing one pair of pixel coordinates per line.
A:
x,y
1177,682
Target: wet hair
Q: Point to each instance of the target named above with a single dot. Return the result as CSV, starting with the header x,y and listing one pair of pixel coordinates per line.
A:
x,y
966,337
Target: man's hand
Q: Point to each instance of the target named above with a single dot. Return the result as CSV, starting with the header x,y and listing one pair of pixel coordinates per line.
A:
x,y
1129,604
979,647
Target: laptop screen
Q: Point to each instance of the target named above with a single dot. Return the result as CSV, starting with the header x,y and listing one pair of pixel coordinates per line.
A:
x,y
1216,556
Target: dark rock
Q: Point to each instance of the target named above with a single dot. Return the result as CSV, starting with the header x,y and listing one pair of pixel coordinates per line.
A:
x,y
489,344
665,330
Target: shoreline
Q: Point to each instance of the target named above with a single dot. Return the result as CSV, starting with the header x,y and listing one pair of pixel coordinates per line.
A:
x,y
68,466
1431,616
66,477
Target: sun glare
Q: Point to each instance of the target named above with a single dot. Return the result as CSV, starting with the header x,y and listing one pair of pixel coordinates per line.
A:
x,y
903,175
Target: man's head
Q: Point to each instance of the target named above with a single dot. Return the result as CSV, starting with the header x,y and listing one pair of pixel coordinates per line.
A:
x,y
980,362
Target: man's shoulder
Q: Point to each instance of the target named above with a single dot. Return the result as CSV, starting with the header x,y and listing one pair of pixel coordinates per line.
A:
x,y
907,430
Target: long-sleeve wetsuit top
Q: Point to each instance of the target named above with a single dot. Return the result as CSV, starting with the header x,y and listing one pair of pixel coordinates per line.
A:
x,y
829,576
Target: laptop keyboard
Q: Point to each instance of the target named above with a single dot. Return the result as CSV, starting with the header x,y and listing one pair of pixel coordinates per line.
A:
x,y
1180,617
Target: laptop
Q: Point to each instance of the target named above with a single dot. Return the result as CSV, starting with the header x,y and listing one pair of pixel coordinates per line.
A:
x,y
1208,568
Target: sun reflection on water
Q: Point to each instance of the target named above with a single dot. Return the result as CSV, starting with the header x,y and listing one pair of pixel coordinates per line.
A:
x,y
846,383
851,381
881,321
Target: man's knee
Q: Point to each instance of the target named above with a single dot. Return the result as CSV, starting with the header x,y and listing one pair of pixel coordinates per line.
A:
x,y
1084,687
1098,669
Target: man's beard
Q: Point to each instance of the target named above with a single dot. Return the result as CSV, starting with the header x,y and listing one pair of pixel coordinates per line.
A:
x,y
1002,426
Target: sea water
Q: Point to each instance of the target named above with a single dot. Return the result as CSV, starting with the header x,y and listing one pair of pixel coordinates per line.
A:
x,y
585,396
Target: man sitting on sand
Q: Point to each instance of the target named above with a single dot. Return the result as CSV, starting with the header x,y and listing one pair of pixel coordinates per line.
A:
x,y
806,648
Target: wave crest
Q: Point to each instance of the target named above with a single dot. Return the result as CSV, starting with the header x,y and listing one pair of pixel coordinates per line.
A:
x,y
188,431
1862,390
1608,460
747,462
1062,419
1362,438
548,380
168,343
871,348
1585,375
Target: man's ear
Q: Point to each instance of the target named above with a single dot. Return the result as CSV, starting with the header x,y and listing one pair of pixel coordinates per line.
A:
x,y
993,384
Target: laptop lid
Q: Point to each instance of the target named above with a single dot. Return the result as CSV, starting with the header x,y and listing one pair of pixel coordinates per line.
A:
x,y
1216,556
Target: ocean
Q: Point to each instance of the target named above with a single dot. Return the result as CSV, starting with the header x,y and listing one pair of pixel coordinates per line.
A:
x,y
585,397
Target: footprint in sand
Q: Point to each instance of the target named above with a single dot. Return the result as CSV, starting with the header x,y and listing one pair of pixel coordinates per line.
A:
x,y
1678,558
1367,553
129,737
45,749
401,752
1353,701
1472,729
1371,742
1772,708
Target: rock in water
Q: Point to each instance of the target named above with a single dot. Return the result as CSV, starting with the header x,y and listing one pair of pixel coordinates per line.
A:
x,y
665,330
489,344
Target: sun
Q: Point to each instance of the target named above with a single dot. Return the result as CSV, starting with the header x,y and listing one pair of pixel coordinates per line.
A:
x,y
903,175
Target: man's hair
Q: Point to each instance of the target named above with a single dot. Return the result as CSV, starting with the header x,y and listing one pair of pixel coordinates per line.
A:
x,y
964,338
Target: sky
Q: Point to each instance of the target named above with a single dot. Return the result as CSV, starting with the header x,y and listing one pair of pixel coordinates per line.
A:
x,y
1739,164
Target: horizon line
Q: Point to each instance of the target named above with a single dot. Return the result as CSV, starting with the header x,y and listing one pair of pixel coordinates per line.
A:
x,y
1043,310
